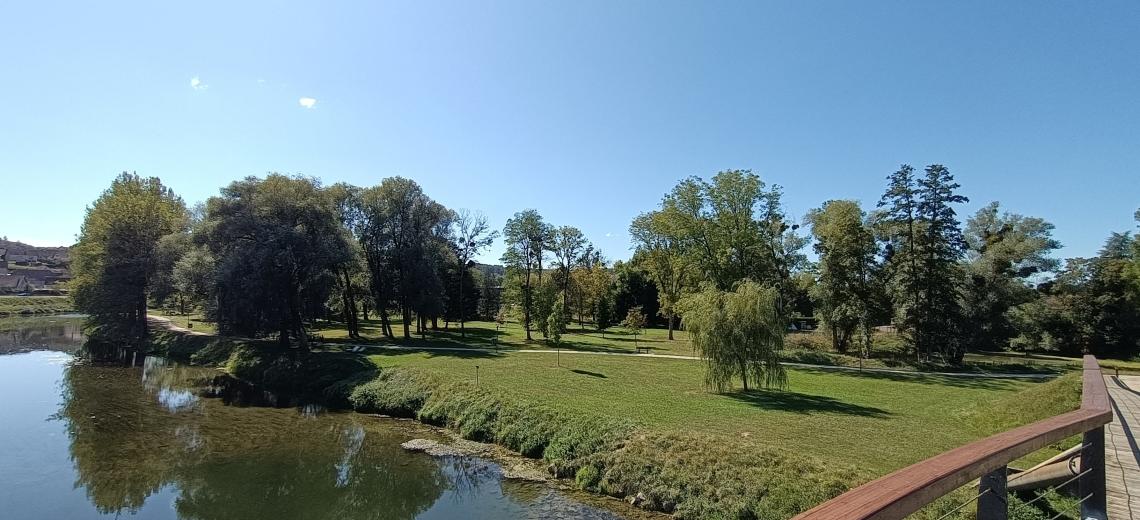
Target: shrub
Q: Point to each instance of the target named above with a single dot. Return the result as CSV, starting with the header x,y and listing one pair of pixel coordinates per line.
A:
x,y
587,477
400,393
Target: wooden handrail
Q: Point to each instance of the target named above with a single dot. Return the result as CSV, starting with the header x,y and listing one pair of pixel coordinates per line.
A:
x,y
913,487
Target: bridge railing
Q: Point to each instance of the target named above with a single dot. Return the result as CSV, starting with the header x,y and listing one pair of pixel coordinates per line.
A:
x,y
907,490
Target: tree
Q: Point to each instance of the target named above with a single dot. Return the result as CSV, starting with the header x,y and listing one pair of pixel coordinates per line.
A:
x,y
738,334
661,252
898,228
943,247
545,295
278,243
194,279
404,237
733,228
634,321
633,288
115,259
923,251
1006,253
352,277
556,322
526,236
846,247
471,236
604,313
593,281
566,244
351,283
490,295
169,250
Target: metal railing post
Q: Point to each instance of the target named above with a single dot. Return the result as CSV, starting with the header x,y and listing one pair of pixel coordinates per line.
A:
x,y
1092,485
992,502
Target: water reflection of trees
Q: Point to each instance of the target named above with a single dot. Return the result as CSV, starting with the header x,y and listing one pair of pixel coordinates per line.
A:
x,y
44,333
120,444
227,462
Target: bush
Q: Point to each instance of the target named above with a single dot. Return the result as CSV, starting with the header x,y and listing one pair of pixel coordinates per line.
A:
x,y
587,477
399,393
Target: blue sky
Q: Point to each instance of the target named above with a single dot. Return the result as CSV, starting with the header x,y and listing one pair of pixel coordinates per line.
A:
x,y
587,111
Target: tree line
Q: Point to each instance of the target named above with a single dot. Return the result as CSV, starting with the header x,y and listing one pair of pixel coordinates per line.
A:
x,y
718,256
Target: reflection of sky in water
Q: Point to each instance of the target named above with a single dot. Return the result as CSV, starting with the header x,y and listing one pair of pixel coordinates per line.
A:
x,y
311,411
159,376
353,439
58,358
189,436
176,400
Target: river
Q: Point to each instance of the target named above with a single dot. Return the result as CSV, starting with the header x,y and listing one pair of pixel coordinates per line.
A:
x,y
79,441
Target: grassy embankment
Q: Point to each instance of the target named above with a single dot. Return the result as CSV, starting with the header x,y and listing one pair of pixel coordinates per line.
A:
x,y
27,305
630,427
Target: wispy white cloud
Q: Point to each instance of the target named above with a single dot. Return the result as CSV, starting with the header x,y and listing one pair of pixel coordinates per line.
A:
x,y
609,234
307,102
196,84
260,81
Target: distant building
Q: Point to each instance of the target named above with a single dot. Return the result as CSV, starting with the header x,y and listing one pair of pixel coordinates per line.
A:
x,y
14,284
40,277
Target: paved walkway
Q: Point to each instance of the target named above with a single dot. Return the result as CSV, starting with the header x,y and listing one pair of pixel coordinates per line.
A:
x,y
1122,454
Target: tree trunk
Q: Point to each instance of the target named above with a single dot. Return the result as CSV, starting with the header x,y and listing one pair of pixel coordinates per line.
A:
x,y
385,324
140,320
526,305
283,339
462,267
406,313
349,304
295,319
744,374
669,319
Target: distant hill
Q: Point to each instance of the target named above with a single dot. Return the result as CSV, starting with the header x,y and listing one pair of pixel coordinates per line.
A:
x,y
494,270
44,254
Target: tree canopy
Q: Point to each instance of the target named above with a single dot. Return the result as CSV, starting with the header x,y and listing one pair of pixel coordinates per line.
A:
x,y
117,255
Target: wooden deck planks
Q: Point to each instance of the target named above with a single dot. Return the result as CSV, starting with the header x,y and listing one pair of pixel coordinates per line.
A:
x,y
1122,448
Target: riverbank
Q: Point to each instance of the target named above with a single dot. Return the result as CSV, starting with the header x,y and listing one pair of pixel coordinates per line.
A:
x,y
642,429
34,305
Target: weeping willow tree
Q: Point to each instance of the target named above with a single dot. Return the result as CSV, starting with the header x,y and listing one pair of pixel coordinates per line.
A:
x,y
738,334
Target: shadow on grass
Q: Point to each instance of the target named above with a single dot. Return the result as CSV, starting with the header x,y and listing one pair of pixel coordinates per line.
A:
x,y
980,383
434,351
803,403
588,373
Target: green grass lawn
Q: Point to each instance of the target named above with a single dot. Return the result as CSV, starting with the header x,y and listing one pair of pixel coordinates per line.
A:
x,y
511,335
876,422
808,348
15,305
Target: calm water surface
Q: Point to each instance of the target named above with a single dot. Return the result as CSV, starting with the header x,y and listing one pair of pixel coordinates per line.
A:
x,y
80,441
